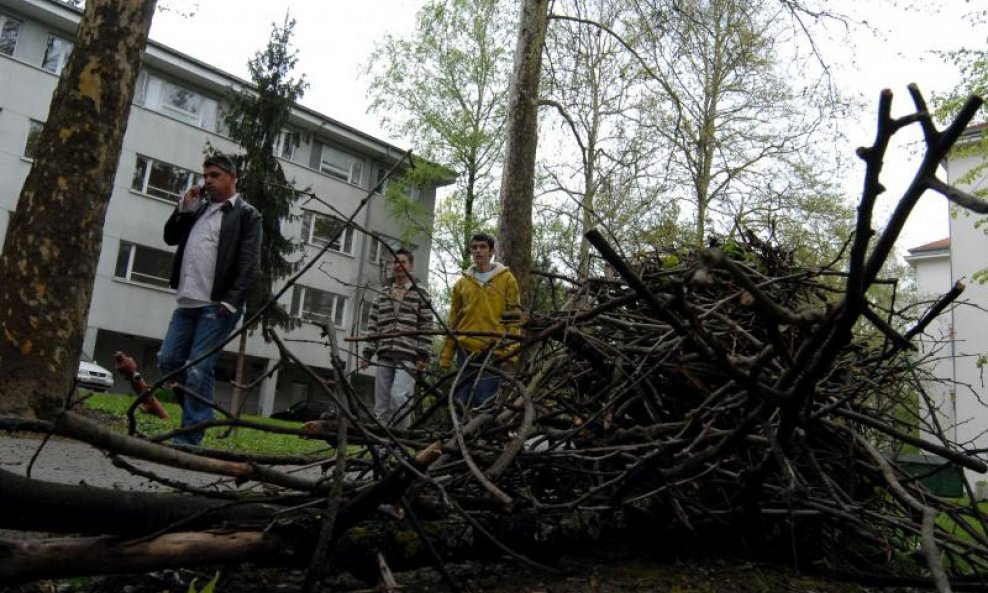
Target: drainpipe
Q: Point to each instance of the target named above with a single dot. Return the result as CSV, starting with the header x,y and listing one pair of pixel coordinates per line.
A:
x,y
351,360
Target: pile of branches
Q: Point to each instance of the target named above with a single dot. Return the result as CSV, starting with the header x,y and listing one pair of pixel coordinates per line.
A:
x,y
726,398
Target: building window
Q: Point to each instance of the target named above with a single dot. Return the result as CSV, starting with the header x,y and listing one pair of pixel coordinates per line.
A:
x,y
286,143
137,263
162,180
57,52
33,134
319,229
364,321
341,165
381,183
10,30
182,102
379,254
177,101
413,192
318,306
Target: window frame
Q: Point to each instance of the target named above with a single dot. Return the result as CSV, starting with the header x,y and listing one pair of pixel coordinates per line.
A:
x,y
63,57
192,117
19,24
153,92
298,310
193,178
309,224
413,192
363,316
34,130
287,143
380,176
353,173
129,250
377,250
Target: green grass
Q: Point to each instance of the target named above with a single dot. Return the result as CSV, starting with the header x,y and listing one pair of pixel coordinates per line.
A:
x,y
245,440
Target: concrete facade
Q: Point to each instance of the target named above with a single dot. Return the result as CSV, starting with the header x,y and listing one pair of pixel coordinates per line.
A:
x,y
175,114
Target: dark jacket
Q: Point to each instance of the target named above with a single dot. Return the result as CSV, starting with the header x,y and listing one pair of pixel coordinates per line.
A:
x,y
238,255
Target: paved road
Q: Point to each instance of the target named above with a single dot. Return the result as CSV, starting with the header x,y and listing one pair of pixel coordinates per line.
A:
x,y
71,462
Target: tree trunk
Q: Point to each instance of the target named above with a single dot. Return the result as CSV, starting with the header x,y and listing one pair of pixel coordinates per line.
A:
x,y
587,205
518,180
237,403
22,561
53,243
469,227
67,508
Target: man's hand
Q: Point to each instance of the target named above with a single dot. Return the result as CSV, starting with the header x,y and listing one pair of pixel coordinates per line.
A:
x,y
363,363
191,197
421,365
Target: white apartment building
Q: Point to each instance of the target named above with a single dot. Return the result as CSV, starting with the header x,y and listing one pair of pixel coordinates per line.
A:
x,y
176,112
957,341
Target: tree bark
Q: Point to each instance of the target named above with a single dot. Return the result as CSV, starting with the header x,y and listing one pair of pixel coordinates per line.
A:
x,y
23,561
62,508
237,402
518,180
53,243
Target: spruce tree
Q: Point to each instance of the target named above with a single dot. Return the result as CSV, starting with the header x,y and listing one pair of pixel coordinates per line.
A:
x,y
257,120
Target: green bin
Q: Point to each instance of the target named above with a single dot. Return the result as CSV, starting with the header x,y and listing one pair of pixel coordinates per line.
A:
x,y
942,478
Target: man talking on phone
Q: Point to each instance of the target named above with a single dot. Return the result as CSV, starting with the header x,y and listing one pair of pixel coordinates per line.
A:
x,y
218,236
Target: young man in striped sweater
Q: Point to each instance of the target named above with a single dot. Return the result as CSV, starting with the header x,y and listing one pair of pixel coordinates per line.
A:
x,y
400,307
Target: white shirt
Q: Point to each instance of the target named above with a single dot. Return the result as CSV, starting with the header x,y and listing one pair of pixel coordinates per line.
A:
x,y
484,277
195,282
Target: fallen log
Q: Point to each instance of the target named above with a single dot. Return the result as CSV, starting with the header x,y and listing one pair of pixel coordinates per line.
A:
x,y
35,505
24,561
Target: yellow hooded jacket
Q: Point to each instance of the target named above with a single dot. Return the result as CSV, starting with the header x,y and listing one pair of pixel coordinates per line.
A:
x,y
480,307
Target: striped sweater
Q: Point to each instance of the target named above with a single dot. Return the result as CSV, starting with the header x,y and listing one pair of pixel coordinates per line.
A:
x,y
394,312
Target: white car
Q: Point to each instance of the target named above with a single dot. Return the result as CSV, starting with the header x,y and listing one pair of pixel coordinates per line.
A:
x,y
93,376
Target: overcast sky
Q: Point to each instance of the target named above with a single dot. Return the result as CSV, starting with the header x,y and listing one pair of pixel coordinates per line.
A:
x,y
334,39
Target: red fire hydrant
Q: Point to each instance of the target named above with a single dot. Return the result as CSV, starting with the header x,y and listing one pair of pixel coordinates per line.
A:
x,y
128,368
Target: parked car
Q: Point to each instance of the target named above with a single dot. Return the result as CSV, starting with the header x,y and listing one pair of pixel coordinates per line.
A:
x,y
92,376
306,410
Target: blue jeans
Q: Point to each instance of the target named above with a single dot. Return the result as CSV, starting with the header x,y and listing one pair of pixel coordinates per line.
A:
x,y
474,391
193,331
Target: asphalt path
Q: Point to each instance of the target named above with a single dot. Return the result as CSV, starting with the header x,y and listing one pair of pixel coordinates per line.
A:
x,y
71,462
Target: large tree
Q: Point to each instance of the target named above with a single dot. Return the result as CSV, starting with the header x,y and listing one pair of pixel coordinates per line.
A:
x,y
49,259
739,123
444,89
521,143
257,119
603,172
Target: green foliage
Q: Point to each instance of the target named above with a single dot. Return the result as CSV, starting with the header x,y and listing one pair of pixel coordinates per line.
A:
x,y
445,89
209,588
79,584
243,439
404,198
258,121
972,64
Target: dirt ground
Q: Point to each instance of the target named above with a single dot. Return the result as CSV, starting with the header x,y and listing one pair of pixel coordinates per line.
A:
x,y
576,576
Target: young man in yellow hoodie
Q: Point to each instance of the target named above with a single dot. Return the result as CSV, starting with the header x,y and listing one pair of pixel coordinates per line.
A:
x,y
485,299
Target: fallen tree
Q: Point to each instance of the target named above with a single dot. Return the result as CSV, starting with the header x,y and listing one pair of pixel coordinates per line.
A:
x,y
730,399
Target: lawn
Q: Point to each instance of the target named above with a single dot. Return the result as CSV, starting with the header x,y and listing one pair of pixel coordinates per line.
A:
x,y
246,440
